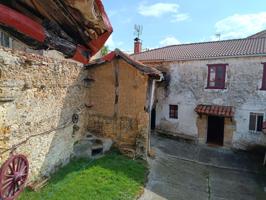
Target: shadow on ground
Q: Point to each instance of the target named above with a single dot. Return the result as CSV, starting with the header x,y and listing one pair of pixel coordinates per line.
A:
x,y
186,171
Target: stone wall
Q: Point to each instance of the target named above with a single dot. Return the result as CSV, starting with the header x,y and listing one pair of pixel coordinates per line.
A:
x,y
38,96
187,89
119,95
229,128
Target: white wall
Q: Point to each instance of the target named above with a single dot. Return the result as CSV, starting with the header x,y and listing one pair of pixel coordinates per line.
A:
x,y
187,89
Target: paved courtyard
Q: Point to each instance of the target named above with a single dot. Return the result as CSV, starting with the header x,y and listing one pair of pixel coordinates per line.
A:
x,y
182,171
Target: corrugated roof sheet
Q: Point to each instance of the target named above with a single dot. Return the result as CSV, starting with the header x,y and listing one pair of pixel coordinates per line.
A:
x,y
216,110
206,50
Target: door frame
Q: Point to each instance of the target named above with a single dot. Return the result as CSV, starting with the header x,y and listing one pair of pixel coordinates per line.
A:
x,y
207,130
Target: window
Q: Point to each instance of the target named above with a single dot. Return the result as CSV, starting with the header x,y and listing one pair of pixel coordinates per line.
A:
x,y
216,76
173,111
263,85
4,40
255,122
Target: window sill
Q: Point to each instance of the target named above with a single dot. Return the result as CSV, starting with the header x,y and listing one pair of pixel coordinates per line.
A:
x,y
215,88
255,132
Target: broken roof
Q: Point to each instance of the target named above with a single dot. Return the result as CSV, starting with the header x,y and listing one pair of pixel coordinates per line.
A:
x,y
64,25
138,65
206,50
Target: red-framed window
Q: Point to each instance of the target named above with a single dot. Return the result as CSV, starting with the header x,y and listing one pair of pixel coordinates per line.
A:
x,y
216,76
173,111
263,85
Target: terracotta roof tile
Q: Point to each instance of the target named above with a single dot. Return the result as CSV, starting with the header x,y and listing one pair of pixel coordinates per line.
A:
x,y
206,50
216,110
151,71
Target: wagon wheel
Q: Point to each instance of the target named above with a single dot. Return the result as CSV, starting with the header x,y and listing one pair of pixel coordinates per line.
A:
x,y
13,176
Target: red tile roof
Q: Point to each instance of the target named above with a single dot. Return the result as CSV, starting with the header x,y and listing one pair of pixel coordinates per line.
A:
x,y
206,50
138,65
261,34
216,110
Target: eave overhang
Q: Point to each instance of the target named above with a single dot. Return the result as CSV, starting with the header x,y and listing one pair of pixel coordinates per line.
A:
x,y
77,28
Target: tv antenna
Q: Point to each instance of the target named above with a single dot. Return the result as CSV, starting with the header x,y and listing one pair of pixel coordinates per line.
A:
x,y
218,36
138,30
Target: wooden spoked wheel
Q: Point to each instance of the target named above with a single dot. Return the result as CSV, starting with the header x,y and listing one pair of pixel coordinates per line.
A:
x,y
13,175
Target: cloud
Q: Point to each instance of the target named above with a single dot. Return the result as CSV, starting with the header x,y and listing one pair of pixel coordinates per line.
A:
x,y
240,26
113,44
180,17
160,9
170,40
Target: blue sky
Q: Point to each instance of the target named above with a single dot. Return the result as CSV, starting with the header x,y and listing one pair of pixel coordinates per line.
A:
x,y
173,22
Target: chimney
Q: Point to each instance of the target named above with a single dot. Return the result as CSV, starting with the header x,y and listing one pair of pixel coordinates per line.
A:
x,y
137,45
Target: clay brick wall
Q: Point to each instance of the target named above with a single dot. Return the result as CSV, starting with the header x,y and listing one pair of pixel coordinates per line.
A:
x,y
119,103
39,95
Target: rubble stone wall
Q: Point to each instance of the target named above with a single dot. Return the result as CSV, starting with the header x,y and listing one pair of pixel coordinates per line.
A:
x,y
38,96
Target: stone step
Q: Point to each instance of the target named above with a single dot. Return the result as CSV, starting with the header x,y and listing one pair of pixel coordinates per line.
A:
x,y
96,146
90,137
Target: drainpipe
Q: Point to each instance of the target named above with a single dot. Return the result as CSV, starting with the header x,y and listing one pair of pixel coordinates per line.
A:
x,y
151,100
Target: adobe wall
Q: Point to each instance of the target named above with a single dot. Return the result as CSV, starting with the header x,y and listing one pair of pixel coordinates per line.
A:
x,y
39,95
118,95
187,89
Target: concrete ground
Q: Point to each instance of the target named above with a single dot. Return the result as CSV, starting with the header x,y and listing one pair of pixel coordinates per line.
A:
x,y
182,171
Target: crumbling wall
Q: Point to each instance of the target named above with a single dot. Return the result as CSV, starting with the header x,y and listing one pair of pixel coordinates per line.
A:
x,y
38,97
118,95
187,89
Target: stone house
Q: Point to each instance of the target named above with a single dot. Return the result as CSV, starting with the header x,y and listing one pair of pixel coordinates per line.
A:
x,y
120,91
49,105
215,92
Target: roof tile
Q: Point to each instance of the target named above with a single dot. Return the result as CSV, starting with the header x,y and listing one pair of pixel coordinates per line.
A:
x,y
216,110
205,50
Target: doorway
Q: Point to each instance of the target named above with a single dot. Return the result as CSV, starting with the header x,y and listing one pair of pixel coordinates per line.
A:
x,y
153,119
215,132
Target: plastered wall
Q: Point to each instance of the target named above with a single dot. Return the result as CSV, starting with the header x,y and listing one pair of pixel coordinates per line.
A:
x,y
187,89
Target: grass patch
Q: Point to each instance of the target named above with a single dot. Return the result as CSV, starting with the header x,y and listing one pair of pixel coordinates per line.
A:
x,y
113,177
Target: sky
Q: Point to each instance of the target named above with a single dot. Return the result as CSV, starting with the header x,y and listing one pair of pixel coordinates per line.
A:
x,y
169,22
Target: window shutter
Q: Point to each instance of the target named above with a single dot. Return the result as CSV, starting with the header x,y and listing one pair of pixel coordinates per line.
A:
x,y
259,123
252,122
216,76
173,111
263,87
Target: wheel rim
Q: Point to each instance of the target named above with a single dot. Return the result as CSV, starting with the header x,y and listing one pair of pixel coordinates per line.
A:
x,y
13,176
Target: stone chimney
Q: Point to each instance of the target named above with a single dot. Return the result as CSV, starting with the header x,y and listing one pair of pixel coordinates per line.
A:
x,y
137,45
